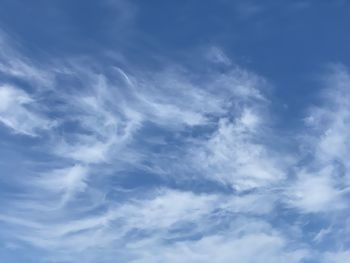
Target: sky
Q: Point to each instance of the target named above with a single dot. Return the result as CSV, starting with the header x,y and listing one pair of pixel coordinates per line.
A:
x,y
174,131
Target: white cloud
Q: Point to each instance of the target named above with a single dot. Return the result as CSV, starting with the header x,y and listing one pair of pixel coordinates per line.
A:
x,y
107,115
250,248
322,182
216,55
316,192
16,112
208,128
12,63
66,182
336,257
331,119
233,155
157,214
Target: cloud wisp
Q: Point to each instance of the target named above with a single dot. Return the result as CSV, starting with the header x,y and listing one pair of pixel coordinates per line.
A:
x,y
168,164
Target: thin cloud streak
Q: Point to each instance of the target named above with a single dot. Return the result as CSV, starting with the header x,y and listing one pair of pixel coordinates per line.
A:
x,y
213,128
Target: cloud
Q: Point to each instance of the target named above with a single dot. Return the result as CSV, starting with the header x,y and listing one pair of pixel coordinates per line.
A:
x,y
216,55
17,113
233,154
246,248
316,192
331,120
102,121
66,182
336,257
143,225
248,9
14,64
322,183
162,165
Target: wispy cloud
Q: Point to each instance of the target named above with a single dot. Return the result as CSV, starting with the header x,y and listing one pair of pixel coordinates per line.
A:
x,y
106,128
17,112
322,184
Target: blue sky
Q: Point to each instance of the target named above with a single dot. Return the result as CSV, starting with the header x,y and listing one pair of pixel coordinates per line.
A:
x,y
174,131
